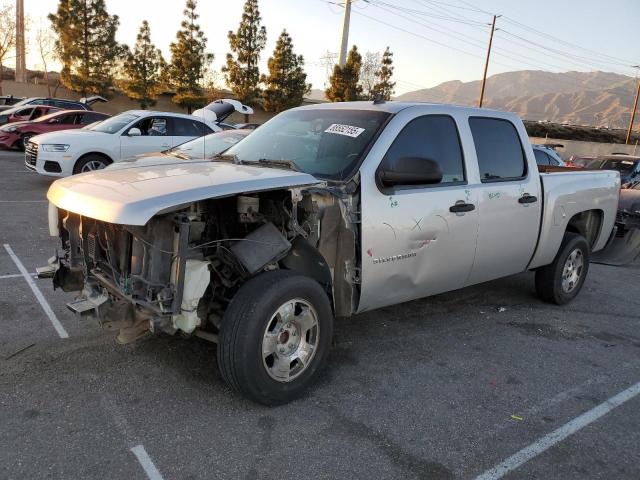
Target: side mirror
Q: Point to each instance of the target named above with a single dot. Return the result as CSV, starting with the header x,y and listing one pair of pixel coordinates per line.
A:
x,y
134,132
409,171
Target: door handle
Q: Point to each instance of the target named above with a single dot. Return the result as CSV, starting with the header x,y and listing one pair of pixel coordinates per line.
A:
x,y
462,207
165,145
526,198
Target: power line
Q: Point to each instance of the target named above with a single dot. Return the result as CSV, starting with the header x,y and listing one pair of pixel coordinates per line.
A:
x,y
502,52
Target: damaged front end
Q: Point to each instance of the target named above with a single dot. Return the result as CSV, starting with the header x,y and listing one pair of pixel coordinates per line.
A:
x,y
181,269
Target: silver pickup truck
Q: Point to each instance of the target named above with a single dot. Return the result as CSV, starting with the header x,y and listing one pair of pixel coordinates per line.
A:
x,y
325,211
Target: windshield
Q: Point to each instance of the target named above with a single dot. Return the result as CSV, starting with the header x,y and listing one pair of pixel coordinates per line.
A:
x,y
114,124
325,143
623,166
208,146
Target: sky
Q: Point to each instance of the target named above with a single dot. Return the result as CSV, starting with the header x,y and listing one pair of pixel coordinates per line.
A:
x,y
433,41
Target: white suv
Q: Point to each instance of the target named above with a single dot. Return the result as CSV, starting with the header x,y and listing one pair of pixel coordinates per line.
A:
x,y
60,154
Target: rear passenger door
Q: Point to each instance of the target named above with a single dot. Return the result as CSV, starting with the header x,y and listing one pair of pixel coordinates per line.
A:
x,y
184,129
509,203
416,239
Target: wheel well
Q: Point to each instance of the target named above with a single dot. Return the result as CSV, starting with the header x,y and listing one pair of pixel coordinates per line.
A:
x,y
99,154
587,224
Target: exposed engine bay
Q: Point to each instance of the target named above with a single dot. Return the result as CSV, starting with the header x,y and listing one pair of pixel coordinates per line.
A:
x,y
180,271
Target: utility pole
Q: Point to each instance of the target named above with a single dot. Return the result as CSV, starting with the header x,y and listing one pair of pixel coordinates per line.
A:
x,y
486,63
633,112
21,67
345,33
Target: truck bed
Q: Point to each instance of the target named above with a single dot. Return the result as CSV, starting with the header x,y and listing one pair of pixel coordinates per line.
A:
x,y
565,193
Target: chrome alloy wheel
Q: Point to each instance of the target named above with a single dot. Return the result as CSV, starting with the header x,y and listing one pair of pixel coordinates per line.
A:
x,y
572,270
290,340
92,165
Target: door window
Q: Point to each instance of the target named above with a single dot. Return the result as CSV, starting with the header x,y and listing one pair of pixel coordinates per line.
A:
x,y
499,151
152,127
25,112
434,137
183,127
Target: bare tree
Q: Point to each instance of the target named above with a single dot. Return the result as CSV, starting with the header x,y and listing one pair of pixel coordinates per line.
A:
x,y
7,34
368,73
46,45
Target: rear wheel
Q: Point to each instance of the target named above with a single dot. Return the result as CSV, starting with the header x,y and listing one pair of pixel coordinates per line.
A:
x,y
560,281
275,337
91,162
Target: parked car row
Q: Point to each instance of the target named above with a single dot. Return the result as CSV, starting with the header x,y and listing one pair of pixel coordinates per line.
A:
x,y
131,133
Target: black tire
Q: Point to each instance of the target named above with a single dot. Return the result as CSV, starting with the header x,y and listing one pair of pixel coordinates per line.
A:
x,y
90,159
245,323
22,143
549,279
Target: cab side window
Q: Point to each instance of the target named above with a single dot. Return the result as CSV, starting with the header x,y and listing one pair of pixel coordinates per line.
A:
x,y
499,151
434,137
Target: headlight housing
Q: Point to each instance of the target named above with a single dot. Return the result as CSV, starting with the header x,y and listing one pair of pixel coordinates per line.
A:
x,y
9,129
55,147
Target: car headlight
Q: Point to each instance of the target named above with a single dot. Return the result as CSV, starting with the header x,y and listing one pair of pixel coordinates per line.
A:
x,y
55,147
9,129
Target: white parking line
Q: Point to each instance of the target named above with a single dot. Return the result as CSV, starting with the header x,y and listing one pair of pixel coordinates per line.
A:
x,y
14,275
146,462
11,275
548,441
62,333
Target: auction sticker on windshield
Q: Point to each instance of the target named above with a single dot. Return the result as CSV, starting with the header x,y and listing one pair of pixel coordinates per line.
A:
x,y
347,130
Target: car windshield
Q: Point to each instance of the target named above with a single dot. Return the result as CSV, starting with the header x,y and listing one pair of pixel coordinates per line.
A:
x,y
623,166
207,146
114,124
326,143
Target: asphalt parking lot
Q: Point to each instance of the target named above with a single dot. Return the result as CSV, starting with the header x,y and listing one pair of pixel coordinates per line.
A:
x,y
442,388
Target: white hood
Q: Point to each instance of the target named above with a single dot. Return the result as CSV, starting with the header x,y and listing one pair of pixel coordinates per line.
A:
x,y
133,196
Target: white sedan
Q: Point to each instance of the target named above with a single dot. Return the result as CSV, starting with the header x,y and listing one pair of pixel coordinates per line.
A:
x,y
64,153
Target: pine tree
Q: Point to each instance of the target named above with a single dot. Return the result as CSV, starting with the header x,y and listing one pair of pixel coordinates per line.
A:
x,y
86,44
345,81
189,61
242,73
384,86
143,69
286,83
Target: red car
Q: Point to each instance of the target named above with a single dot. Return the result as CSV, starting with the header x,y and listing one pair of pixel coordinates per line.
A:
x,y
26,113
18,134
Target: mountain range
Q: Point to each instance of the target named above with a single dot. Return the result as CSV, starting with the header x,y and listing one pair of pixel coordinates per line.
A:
x,y
581,98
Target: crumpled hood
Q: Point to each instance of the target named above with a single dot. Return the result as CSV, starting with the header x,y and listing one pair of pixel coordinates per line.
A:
x,y
131,196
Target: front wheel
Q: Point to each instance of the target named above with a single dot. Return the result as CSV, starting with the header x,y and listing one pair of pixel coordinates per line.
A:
x,y
560,281
90,162
275,337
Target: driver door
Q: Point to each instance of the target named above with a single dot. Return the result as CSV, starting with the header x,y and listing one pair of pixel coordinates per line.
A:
x,y
154,137
418,240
